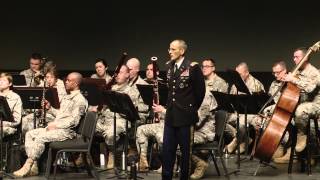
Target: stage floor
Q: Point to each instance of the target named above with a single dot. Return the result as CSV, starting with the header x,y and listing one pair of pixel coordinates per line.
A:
x,y
247,169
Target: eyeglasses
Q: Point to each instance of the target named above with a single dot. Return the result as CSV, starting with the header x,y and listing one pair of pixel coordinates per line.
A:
x,y
276,72
206,66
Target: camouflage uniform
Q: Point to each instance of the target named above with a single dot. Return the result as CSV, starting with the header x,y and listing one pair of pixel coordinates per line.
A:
x,y
15,104
309,105
72,107
217,84
144,109
107,77
27,121
29,75
106,117
253,84
204,130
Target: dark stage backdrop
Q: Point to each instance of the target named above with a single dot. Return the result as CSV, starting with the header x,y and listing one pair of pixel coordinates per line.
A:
x,y
74,33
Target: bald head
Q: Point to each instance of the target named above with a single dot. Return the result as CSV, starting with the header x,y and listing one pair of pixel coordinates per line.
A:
x,y
134,67
73,81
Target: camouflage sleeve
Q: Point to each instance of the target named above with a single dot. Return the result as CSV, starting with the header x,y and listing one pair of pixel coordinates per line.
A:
x,y
307,84
77,111
16,112
224,87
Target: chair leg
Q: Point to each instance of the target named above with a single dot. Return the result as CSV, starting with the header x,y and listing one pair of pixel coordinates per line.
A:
x,y
49,163
93,169
55,164
215,162
86,164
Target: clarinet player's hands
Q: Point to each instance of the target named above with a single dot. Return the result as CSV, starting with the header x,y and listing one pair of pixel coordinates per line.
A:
x,y
45,104
157,108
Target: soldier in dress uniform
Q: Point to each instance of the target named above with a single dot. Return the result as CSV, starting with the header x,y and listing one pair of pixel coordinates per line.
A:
x,y
14,102
34,71
67,118
101,70
186,92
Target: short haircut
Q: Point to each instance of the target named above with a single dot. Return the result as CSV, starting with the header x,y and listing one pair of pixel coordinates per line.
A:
x,y
182,43
280,63
36,56
303,49
245,65
211,60
6,75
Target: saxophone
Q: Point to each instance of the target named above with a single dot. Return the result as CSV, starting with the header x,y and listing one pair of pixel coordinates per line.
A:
x,y
156,118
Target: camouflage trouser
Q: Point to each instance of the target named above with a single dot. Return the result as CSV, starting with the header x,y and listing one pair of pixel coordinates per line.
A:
x,y
144,132
35,140
107,129
8,131
303,112
28,122
199,138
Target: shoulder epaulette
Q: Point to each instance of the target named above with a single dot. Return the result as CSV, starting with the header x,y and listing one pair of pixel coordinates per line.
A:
x,y
193,63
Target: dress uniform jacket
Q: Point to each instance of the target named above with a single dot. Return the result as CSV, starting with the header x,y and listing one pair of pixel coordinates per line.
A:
x,y
186,90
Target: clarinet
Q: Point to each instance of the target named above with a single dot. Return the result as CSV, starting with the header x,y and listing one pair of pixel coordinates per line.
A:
x,y
42,119
156,118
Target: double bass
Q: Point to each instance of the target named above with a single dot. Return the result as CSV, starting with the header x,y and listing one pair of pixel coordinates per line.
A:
x,y
282,114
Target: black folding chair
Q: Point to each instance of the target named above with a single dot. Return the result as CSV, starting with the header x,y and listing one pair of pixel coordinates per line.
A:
x,y
215,147
81,144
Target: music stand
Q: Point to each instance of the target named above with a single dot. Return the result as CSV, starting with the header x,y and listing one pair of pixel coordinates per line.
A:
x,y
146,92
5,114
241,104
32,96
91,89
19,80
121,103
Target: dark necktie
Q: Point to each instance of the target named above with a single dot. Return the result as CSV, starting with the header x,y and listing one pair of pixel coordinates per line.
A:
x,y
175,68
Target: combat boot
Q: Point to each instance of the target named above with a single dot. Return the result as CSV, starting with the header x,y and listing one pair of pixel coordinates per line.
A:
x,y
279,152
143,163
25,170
301,142
232,145
284,159
200,167
34,169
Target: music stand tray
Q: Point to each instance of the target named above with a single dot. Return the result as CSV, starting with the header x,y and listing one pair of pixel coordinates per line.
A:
x,y
91,89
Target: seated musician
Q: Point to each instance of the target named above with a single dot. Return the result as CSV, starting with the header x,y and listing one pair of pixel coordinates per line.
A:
x,y
14,102
34,70
254,86
204,132
72,107
307,80
106,117
149,74
101,67
52,81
